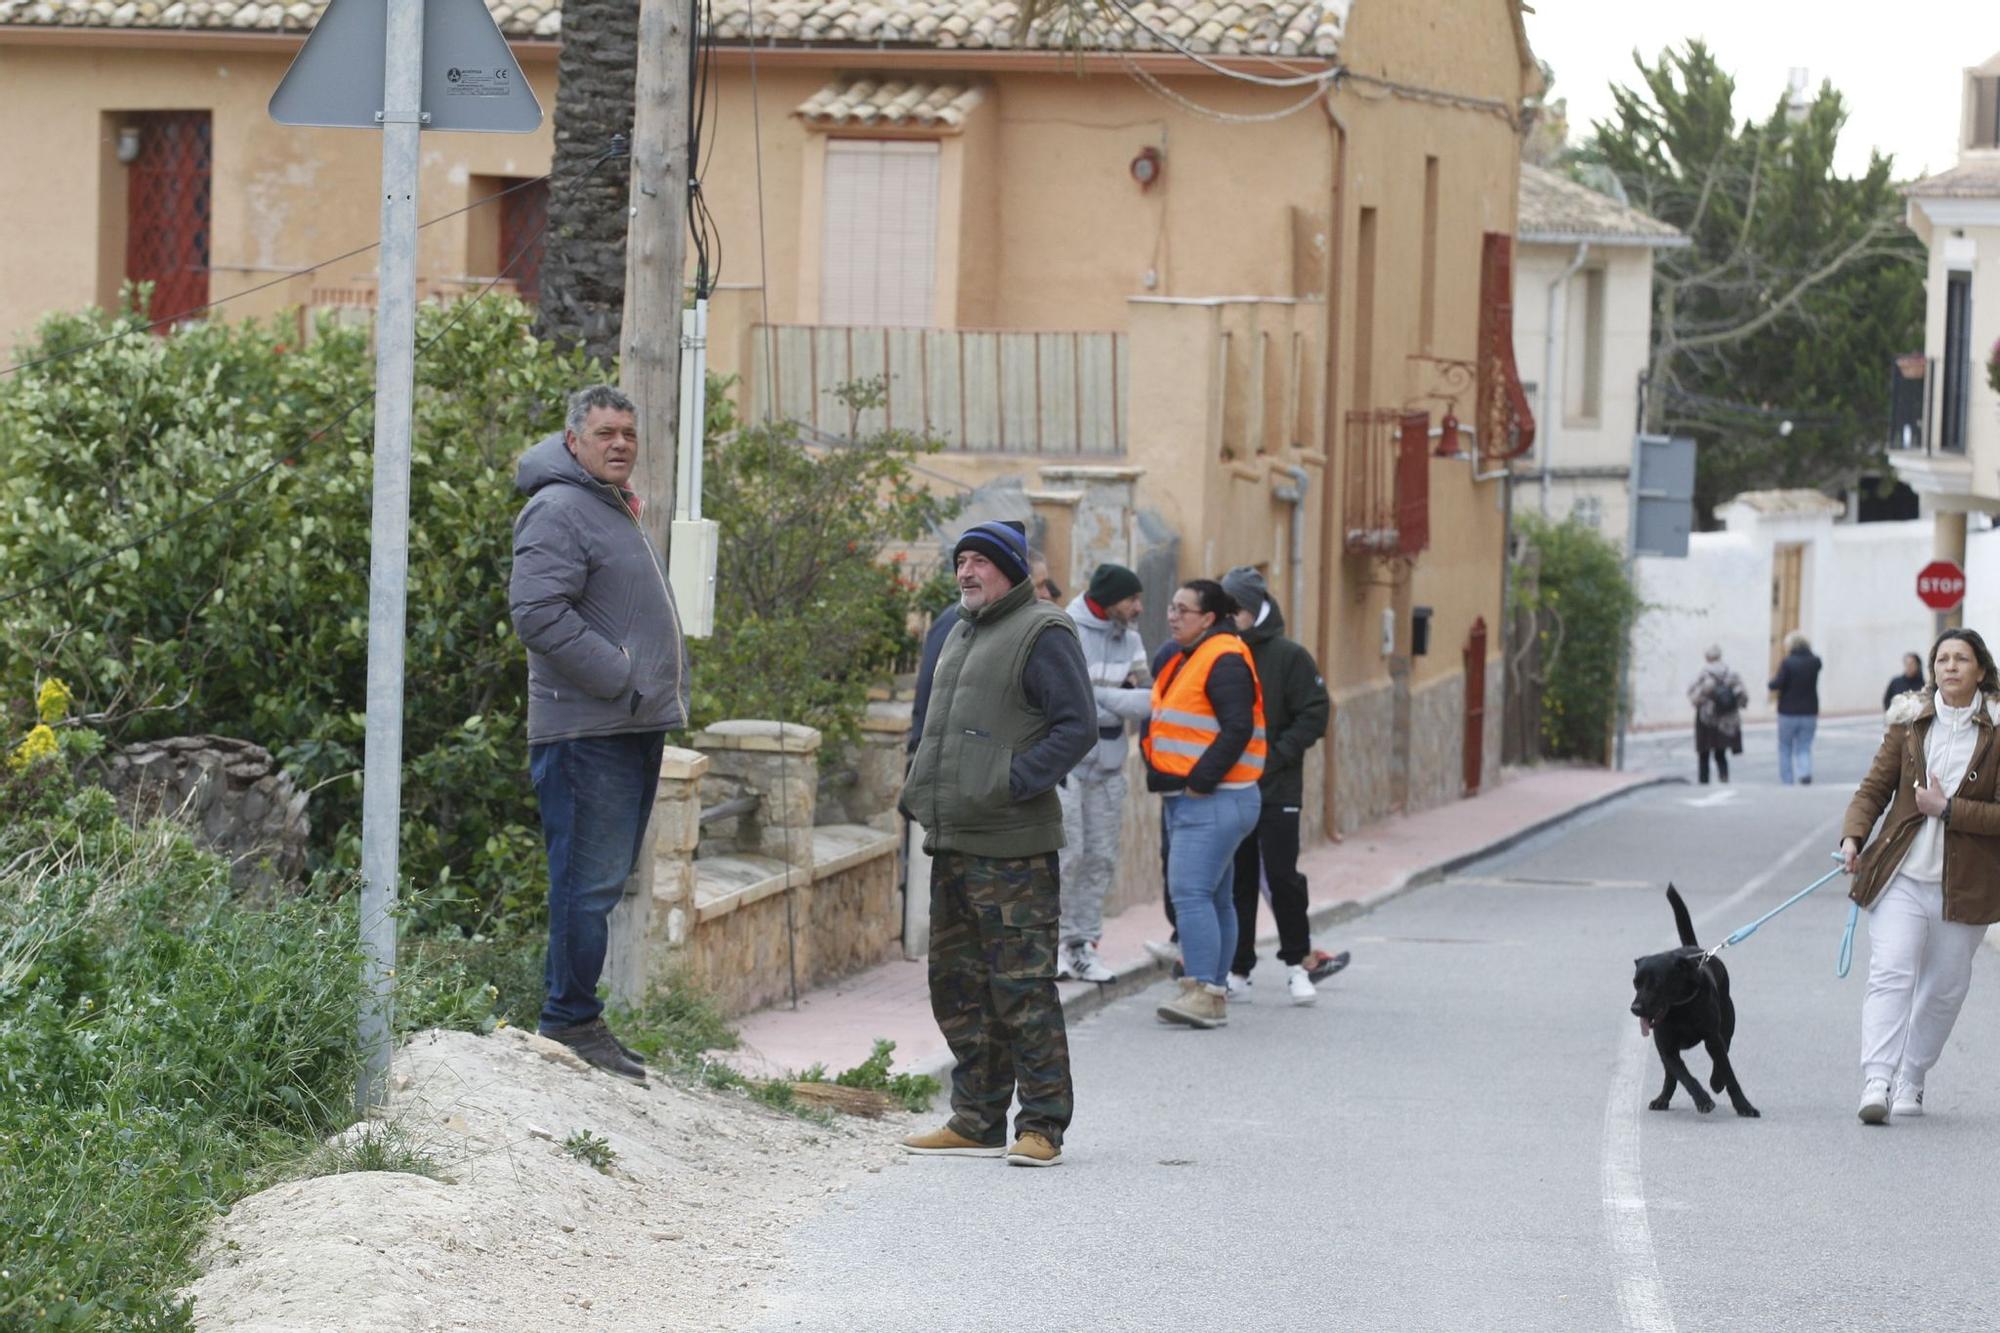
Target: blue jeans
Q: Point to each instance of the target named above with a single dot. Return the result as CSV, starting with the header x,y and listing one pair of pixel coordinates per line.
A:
x,y
1795,738
1205,832
596,794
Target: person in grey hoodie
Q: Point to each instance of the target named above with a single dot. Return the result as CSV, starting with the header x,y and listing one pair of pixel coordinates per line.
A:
x,y
1093,797
607,679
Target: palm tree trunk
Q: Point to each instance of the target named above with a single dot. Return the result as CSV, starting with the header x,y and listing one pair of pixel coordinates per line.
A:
x,y
583,260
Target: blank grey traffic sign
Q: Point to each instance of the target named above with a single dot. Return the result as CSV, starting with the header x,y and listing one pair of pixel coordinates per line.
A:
x,y
471,79
1662,495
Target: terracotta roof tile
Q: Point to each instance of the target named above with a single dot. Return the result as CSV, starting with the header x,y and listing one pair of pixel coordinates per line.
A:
x,y
889,101
1304,28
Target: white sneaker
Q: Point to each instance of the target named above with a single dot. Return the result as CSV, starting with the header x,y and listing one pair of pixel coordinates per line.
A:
x,y
1239,989
1300,986
1088,966
1909,1101
1874,1108
1164,951
1065,963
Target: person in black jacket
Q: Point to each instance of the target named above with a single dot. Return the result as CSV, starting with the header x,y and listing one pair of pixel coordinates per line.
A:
x,y
1911,679
1296,711
1797,688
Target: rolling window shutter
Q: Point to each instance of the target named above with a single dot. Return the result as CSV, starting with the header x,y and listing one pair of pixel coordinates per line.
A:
x,y
879,261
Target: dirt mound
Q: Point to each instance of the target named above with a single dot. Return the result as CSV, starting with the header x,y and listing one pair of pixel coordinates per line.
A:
x,y
674,1234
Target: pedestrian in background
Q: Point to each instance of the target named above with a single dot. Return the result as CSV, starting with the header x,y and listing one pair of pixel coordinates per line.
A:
x,y
1296,711
1205,749
1093,798
1718,697
1931,878
1797,688
1010,714
1911,679
607,679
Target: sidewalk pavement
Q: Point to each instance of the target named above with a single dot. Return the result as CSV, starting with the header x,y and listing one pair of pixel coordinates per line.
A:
x,y
838,1025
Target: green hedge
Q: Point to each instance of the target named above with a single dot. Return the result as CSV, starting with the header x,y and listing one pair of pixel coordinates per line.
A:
x,y
1585,606
251,620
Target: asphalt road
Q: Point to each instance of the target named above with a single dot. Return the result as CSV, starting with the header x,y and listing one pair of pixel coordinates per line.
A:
x,y
1455,1136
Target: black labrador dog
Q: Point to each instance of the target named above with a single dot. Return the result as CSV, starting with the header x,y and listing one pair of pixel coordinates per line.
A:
x,y
1682,1001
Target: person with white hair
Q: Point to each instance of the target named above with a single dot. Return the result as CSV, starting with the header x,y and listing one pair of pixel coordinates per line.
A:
x,y
1718,697
1797,686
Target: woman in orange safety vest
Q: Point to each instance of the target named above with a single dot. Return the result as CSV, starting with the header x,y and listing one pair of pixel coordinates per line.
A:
x,y
1204,748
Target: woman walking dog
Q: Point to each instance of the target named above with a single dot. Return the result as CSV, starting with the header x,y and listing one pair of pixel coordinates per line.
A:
x,y
1931,879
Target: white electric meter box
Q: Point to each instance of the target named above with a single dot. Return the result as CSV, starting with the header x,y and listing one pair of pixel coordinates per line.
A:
x,y
691,569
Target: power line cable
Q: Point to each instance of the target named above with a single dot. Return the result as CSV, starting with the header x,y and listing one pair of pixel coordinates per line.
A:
x,y
131,329
1160,90
617,148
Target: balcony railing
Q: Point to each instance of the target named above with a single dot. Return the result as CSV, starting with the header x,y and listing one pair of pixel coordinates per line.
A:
x,y
980,391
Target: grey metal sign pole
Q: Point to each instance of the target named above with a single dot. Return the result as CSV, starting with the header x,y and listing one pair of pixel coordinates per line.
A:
x,y
389,534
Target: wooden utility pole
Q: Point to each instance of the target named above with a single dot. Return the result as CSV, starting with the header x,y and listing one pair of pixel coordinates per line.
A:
x,y
649,356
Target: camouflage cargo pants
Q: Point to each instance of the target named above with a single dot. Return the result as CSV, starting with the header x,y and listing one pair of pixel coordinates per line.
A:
x,y
993,990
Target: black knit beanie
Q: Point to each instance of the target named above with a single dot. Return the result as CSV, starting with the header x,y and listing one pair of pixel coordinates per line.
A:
x,y
1003,541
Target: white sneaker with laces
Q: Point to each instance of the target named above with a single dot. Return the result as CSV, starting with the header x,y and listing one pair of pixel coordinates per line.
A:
x,y
1239,989
1088,966
1908,1101
1300,986
1874,1108
1164,951
1065,963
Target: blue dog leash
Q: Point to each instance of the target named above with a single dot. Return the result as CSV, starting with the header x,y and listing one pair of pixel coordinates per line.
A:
x,y
1847,940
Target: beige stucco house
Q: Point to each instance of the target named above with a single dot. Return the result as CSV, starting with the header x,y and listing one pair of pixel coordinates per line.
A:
x,y
1583,327
1952,460
1184,315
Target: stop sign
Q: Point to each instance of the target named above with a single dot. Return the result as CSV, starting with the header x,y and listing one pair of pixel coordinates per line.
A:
x,y
1941,585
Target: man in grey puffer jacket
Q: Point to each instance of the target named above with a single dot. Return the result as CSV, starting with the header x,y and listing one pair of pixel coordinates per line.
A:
x,y
607,678
1093,799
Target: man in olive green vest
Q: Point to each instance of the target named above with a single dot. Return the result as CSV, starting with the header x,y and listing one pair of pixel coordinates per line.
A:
x,y
1011,713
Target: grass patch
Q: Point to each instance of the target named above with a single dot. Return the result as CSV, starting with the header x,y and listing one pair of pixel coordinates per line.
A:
x,y
375,1145
164,1051
915,1092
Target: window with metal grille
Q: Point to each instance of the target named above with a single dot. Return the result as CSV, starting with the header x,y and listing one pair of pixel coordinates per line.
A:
x,y
878,262
1387,509
524,217
167,211
504,232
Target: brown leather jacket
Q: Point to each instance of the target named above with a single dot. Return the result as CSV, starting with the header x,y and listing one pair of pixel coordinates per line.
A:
x,y
1971,838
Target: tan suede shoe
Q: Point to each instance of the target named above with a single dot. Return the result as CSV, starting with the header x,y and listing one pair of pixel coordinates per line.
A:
x,y
1031,1149
1197,1006
948,1142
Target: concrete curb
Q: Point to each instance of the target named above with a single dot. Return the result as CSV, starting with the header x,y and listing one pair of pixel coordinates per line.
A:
x,y
1080,997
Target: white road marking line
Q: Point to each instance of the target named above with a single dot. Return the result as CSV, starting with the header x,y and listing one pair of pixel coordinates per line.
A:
x,y
1723,797
1635,1269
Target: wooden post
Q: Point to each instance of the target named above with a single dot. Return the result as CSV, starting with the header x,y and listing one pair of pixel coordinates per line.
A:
x,y
649,358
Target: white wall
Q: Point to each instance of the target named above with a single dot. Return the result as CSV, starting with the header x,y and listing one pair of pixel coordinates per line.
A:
x,y
1861,611
1563,442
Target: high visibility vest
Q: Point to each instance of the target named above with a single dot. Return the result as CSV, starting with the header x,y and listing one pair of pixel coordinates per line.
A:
x,y
1184,725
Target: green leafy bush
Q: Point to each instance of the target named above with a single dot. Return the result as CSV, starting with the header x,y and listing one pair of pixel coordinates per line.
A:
x,y
1584,605
251,619
808,611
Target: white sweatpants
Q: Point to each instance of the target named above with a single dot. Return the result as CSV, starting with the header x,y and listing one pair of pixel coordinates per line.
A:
x,y
1093,813
1919,967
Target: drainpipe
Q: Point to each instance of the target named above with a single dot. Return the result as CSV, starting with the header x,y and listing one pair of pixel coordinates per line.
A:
x,y
1295,496
1551,376
1329,525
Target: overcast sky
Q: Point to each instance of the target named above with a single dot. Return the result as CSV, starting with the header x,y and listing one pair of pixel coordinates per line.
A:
x,y
1897,65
